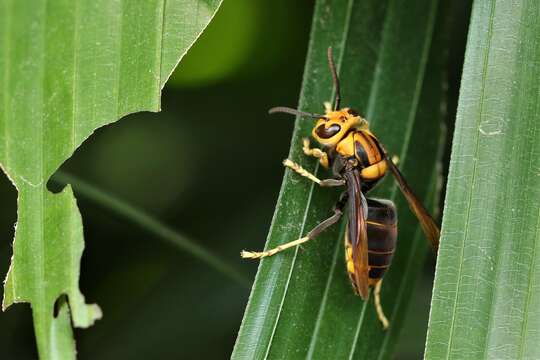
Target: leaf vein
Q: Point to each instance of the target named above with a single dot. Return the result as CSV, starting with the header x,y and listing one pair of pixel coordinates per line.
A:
x,y
473,178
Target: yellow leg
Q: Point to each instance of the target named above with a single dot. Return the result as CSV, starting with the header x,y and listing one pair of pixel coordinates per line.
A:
x,y
258,255
378,307
300,170
311,235
318,153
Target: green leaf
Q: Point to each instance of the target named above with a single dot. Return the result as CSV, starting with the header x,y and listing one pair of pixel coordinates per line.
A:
x,y
302,304
67,68
487,285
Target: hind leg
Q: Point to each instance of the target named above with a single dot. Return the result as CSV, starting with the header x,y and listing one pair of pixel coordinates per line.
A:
x,y
378,307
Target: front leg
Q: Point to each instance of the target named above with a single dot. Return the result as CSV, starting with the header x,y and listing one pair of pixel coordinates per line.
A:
x,y
318,153
300,170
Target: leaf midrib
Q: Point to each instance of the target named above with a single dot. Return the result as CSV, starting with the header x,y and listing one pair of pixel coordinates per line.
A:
x,y
41,296
76,41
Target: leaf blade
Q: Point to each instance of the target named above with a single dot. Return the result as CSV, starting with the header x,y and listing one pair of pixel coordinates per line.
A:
x,y
285,307
487,272
65,74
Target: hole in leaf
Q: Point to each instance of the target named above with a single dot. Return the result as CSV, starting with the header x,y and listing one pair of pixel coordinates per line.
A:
x,y
62,299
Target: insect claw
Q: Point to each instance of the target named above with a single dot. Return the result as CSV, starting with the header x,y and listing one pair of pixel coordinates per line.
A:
x,y
249,254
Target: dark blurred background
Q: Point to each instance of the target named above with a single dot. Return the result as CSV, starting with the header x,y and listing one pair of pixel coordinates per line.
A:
x,y
209,166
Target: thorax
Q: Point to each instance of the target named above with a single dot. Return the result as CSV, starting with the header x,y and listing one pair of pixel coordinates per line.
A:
x,y
361,148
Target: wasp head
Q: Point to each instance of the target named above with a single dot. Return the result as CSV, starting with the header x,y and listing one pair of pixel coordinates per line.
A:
x,y
331,128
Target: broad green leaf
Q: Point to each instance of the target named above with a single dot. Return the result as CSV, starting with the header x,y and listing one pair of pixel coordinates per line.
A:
x,y
487,284
302,304
67,68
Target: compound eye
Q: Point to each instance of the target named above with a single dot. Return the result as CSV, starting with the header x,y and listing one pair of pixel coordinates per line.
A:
x,y
326,133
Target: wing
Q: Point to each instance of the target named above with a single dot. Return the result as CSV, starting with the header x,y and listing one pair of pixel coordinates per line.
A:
x,y
426,221
357,232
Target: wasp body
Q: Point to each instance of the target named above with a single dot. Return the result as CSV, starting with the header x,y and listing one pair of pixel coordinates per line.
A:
x,y
358,161
355,155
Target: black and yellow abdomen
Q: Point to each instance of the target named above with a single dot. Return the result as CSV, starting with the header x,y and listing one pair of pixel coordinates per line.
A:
x,y
382,236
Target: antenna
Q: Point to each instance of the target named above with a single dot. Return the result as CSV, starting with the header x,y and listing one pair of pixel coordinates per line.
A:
x,y
287,110
335,78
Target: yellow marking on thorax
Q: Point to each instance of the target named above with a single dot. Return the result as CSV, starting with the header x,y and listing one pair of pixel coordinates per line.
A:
x,y
367,142
346,146
375,171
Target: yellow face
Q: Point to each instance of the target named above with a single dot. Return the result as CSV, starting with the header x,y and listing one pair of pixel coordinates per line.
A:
x,y
330,129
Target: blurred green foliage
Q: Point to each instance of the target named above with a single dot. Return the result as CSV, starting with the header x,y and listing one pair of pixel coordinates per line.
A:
x,y
246,39
223,47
